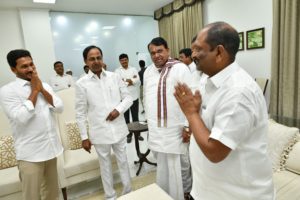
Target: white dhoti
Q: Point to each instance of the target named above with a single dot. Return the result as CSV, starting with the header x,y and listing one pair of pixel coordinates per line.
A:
x,y
168,175
186,170
104,153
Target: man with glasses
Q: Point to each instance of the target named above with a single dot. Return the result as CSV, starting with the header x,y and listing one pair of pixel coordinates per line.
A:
x,y
101,98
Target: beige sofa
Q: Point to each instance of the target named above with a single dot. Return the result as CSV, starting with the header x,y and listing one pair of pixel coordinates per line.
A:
x,y
284,150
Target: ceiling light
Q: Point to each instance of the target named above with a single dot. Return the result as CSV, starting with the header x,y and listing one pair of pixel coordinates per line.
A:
x,y
44,1
108,27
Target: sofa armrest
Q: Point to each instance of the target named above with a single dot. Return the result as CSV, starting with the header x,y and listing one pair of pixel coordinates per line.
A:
x,y
292,162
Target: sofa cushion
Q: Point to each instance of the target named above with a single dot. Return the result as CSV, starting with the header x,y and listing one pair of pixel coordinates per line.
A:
x,y
280,137
286,185
79,161
7,152
293,162
73,135
9,181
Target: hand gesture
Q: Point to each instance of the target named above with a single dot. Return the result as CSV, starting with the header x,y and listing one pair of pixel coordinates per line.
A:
x,y
112,115
189,103
86,144
35,81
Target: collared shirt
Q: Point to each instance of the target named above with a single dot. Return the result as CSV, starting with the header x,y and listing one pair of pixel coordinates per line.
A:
x,y
33,127
95,99
61,82
192,67
165,139
131,73
234,110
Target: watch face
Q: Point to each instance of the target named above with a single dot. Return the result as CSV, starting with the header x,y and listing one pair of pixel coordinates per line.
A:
x,y
187,129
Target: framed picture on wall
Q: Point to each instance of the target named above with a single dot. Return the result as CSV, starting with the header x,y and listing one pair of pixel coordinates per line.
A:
x,y
256,38
241,35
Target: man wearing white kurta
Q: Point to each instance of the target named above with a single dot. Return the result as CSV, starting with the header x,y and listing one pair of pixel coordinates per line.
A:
x,y
30,106
229,145
165,119
131,78
101,97
61,81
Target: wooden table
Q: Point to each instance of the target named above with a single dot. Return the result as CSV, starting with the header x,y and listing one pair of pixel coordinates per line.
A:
x,y
136,128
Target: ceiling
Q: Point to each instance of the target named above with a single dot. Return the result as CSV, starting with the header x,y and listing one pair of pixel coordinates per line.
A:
x,y
127,7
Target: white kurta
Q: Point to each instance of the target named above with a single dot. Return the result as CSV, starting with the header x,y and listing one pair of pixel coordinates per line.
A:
x,y
131,73
165,139
33,127
95,99
61,82
234,110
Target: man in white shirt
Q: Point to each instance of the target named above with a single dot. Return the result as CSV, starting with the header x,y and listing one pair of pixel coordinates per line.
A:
x,y
229,145
101,98
131,78
30,105
60,81
185,56
164,117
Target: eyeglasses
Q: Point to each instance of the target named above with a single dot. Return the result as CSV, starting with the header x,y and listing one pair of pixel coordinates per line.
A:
x,y
93,59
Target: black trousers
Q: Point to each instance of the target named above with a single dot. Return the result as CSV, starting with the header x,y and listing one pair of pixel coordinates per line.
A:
x,y
134,110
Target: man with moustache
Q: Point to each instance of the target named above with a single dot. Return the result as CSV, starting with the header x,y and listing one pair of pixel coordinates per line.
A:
x,y
164,117
229,122
30,106
101,99
61,81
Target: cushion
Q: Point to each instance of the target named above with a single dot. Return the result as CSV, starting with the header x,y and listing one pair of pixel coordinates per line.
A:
x,y
73,135
280,138
9,181
7,152
287,185
292,162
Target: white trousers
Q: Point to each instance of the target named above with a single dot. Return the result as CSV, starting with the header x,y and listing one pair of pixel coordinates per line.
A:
x,y
168,175
104,153
186,170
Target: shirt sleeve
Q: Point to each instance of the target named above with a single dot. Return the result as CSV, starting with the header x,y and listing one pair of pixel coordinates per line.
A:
x,y
136,78
234,118
16,108
81,110
58,105
126,99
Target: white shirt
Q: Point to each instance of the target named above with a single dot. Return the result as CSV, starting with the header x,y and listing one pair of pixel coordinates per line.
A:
x,y
234,110
131,73
61,82
33,128
95,99
192,67
165,139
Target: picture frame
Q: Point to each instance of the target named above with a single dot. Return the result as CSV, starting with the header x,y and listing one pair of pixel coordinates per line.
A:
x,y
241,35
256,38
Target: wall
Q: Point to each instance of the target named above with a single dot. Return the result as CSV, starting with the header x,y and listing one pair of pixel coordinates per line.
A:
x,y
29,29
246,15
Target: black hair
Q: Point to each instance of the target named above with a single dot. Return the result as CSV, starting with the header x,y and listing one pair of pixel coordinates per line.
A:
x,y
221,33
57,62
87,50
186,51
158,41
123,55
85,66
142,63
14,55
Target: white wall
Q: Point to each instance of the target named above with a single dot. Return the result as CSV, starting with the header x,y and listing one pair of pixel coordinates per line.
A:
x,y
29,29
246,15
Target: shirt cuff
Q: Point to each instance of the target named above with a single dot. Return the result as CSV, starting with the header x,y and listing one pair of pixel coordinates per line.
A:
x,y
29,105
217,134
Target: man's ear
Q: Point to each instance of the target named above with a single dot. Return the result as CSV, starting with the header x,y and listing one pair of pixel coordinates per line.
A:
x,y
13,69
221,53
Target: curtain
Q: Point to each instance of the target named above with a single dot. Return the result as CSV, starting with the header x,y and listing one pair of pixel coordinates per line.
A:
x,y
179,22
285,73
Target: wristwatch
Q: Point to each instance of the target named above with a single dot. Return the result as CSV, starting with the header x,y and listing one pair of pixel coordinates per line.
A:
x,y
186,129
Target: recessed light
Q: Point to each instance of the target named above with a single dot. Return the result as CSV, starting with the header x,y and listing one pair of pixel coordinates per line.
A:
x,y
44,1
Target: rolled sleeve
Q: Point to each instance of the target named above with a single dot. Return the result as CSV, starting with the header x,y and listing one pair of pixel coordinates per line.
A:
x,y
126,99
81,110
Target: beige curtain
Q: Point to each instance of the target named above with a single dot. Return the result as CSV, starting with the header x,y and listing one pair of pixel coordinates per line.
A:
x,y
285,75
181,26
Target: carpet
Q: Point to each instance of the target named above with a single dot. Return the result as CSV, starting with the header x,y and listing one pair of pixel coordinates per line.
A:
x,y
137,182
